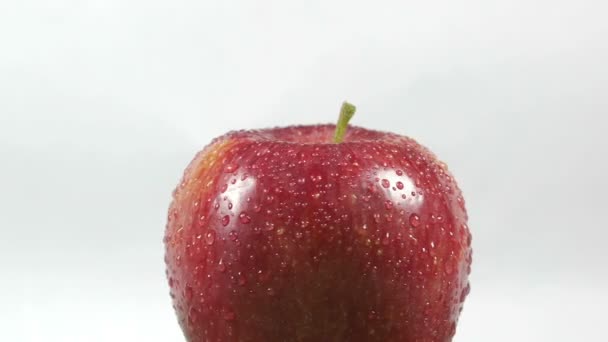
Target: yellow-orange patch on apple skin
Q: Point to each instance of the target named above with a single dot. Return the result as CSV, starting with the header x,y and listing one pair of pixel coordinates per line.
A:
x,y
199,178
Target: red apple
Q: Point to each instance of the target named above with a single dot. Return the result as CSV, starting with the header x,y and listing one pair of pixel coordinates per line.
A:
x,y
291,234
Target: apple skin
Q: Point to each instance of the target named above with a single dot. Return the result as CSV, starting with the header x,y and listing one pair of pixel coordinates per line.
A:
x,y
282,235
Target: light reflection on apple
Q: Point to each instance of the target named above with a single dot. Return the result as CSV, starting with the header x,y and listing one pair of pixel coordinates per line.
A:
x,y
236,194
410,202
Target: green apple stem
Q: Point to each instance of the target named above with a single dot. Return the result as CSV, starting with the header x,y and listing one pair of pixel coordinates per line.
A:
x,y
346,113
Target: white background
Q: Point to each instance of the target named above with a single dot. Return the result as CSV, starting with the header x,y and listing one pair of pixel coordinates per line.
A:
x,y
104,102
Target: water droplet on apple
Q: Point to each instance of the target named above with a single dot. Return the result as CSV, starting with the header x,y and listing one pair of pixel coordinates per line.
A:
x,y
230,168
388,205
399,172
376,218
316,178
386,239
414,220
385,183
460,200
465,292
221,266
210,237
241,280
188,293
449,268
225,220
192,315
224,188
452,330
468,235
244,218
268,226
400,185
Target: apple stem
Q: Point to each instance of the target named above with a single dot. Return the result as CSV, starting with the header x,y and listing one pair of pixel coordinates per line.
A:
x,y
346,113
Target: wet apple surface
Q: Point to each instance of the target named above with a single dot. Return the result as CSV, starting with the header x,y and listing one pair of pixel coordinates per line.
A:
x,y
283,235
